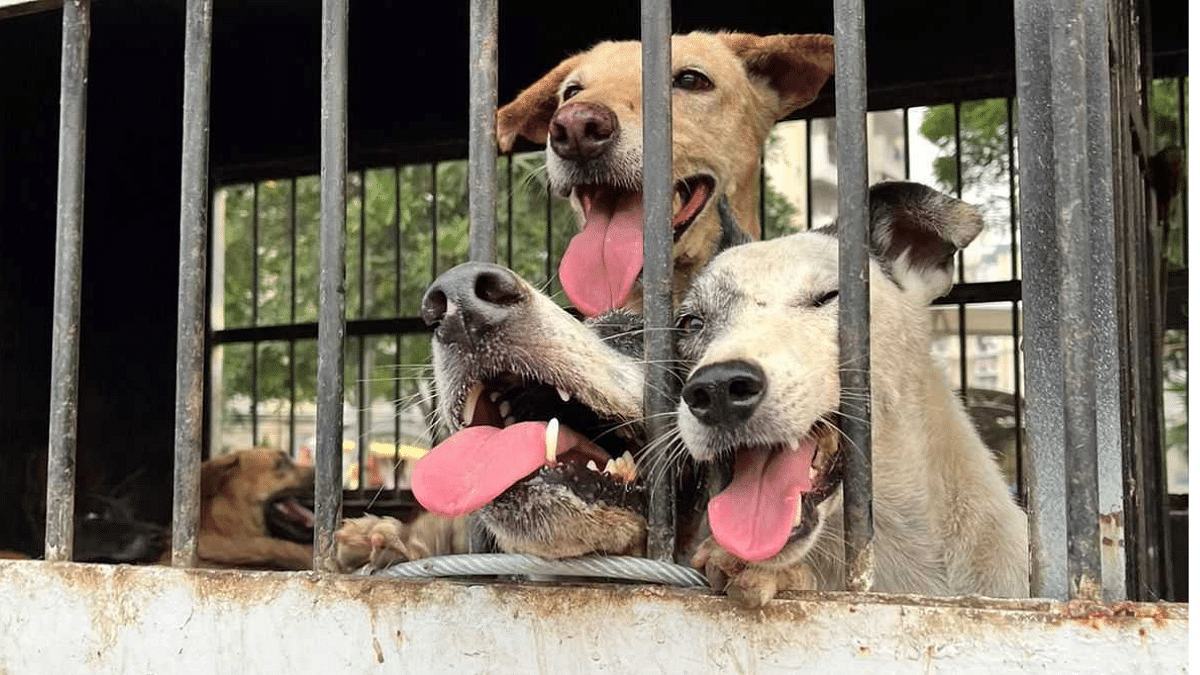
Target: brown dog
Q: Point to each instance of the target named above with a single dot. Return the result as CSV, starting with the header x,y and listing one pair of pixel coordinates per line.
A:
x,y
249,514
729,89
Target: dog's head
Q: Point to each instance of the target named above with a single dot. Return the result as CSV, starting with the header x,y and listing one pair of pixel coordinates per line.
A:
x,y
728,90
107,530
257,492
545,413
761,327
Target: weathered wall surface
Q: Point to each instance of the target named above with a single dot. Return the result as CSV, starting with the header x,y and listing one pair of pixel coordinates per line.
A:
x,y
65,618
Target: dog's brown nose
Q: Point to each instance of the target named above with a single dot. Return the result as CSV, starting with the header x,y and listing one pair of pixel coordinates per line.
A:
x,y
582,130
471,300
725,394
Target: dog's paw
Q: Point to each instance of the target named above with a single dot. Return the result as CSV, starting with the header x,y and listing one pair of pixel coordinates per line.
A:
x,y
374,542
749,584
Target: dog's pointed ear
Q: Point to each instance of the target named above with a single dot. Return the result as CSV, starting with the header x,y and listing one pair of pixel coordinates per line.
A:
x,y
529,113
916,232
215,472
731,233
796,66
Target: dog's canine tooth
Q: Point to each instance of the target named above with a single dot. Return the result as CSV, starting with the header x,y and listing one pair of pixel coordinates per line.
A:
x,y
552,440
592,465
563,394
799,511
813,473
468,411
611,467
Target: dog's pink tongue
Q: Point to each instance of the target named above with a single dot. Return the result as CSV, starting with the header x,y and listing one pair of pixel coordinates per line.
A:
x,y
752,518
602,263
475,465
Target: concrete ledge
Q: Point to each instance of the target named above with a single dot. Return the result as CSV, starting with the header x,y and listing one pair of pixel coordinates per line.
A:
x,y
60,618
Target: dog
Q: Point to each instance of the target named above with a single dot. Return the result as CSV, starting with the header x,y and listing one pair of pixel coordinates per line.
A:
x,y
107,530
760,327
728,91
251,512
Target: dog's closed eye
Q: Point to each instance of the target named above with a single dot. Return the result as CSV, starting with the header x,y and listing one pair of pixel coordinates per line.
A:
x,y
570,91
825,299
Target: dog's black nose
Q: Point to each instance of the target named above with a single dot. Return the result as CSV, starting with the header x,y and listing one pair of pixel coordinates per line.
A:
x,y
582,130
471,300
725,394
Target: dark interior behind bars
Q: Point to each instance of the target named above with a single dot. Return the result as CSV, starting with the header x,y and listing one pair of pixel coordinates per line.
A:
x,y
265,124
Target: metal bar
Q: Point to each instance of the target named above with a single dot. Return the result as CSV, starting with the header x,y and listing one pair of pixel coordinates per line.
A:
x,y
481,195
509,206
309,331
193,247
332,314
254,271
808,175
762,197
68,252
1069,118
363,416
854,299
1044,368
549,239
1110,428
292,319
1014,251
963,380
396,309
1181,92
433,222
657,271
907,147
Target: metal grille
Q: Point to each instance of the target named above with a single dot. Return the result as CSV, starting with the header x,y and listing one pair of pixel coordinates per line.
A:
x,y
1093,309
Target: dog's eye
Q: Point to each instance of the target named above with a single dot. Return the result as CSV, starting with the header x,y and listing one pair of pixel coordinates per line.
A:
x,y
692,80
689,323
571,91
825,299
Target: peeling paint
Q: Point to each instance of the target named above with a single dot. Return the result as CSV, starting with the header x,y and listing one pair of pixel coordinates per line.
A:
x,y
69,618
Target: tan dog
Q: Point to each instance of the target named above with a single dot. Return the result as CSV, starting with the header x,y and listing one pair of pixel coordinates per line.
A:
x,y
729,89
249,515
761,327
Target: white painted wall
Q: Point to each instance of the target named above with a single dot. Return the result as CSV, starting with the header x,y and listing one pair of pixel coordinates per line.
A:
x,y
60,619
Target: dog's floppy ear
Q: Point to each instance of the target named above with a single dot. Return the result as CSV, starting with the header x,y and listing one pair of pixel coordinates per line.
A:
x,y
796,66
215,472
915,233
529,113
731,233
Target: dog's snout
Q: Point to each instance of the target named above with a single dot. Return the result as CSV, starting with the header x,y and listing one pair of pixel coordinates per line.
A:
x,y
582,130
725,393
471,299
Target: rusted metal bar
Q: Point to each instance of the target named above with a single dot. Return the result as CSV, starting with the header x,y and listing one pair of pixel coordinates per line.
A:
x,y
1069,119
1110,427
331,331
658,263
68,252
1045,475
481,196
193,253
854,298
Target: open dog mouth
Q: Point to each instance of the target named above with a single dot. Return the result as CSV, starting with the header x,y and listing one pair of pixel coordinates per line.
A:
x,y
603,262
288,517
515,431
773,497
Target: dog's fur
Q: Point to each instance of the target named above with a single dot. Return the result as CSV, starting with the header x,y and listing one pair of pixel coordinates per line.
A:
x,y
718,131
944,521
245,495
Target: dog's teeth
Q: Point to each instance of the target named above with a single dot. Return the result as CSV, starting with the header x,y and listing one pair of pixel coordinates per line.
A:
x,y
505,409
551,440
812,474
468,411
611,467
799,511
592,465
494,396
563,394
